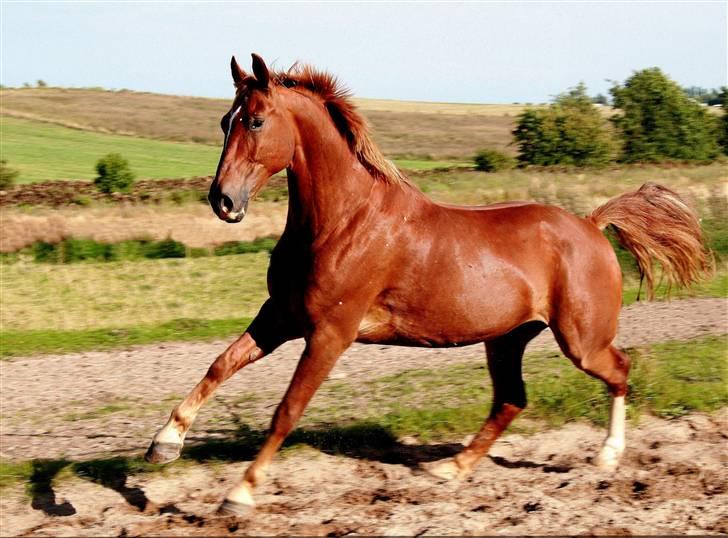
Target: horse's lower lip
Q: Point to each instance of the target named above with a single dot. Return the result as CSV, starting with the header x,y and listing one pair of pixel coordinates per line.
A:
x,y
234,218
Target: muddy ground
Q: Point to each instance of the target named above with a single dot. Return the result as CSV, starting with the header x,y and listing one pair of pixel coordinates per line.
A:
x,y
673,479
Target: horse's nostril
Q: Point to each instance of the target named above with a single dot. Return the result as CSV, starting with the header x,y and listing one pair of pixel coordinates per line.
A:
x,y
226,203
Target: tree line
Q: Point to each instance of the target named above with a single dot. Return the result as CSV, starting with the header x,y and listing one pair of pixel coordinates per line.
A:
x,y
654,120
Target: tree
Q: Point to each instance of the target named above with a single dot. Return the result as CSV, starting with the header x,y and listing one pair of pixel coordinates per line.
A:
x,y
114,174
570,131
658,121
41,83
723,122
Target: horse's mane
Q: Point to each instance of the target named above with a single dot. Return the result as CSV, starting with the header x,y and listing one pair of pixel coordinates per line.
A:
x,y
351,124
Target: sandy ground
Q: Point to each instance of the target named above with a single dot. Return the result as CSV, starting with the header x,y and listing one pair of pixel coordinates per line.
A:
x,y
672,481
673,478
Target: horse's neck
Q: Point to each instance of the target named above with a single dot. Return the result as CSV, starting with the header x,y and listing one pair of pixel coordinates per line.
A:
x,y
326,182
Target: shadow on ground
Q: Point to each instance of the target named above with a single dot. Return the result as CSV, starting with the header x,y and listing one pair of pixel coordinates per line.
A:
x,y
362,441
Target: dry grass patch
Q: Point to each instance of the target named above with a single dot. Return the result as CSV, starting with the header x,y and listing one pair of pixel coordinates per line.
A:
x,y
129,294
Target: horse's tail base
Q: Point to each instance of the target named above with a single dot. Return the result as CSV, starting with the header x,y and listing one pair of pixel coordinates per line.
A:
x,y
655,224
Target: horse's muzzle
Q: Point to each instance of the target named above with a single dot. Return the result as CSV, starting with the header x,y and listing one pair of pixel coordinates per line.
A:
x,y
228,208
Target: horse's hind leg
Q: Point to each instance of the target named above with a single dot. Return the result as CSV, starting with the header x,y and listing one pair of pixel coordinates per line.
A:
x,y
505,356
584,343
264,335
611,366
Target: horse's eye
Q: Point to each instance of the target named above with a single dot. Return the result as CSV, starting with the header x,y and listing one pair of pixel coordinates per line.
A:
x,y
256,123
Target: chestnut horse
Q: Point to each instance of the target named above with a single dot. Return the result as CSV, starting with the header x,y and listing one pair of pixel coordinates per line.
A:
x,y
367,257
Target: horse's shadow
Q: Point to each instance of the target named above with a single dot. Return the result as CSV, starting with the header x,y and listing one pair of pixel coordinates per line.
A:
x,y
111,473
365,441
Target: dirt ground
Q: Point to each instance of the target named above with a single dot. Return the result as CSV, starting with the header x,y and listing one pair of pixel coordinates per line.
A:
x,y
673,479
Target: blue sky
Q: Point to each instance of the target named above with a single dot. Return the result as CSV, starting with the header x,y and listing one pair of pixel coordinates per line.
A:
x,y
498,52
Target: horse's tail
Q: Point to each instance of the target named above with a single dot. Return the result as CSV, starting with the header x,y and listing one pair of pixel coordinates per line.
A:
x,y
654,223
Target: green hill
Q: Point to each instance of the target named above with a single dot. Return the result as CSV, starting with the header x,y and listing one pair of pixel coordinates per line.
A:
x,y
41,151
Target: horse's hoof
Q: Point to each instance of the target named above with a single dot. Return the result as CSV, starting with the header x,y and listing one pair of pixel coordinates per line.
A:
x,y
232,508
608,459
163,452
445,470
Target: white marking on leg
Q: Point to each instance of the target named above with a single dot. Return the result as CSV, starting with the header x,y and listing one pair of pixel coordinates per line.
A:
x,y
241,494
170,433
614,443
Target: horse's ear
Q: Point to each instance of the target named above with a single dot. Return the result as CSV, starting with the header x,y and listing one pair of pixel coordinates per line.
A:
x,y
238,74
260,70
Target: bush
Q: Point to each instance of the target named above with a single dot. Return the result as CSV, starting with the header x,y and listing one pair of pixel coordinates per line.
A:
x,y
114,174
723,125
260,244
659,122
7,175
491,160
169,248
571,131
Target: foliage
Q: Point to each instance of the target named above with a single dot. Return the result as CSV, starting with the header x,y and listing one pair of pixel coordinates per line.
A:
x,y
79,250
491,160
41,83
571,131
723,122
7,175
658,121
114,174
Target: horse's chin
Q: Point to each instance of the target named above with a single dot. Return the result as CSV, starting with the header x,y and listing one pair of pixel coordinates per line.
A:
x,y
234,218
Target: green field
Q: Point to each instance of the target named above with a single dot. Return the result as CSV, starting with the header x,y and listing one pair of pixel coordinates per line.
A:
x,y
41,152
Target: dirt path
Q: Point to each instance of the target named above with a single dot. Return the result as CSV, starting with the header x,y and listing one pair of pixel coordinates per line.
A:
x,y
672,481
99,403
91,405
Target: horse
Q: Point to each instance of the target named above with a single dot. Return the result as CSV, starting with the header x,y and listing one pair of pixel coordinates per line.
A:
x,y
366,257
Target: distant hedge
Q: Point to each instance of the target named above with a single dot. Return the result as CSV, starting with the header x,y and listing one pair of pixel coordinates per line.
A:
x,y
88,250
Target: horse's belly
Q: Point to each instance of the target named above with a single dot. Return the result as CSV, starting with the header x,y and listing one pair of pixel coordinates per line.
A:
x,y
444,323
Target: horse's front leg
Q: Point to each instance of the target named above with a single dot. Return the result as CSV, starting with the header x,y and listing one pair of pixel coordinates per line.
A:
x,y
265,333
323,348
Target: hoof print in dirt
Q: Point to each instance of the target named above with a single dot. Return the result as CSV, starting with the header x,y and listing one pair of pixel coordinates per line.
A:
x,y
231,508
163,452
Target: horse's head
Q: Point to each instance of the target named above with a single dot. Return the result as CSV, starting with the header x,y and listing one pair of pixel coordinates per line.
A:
x,y
259,142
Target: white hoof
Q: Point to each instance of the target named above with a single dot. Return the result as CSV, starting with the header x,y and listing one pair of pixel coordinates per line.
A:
x,y
609,456
445,469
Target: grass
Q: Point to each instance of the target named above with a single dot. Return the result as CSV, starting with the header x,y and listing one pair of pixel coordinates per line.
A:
x,y
49,308
42,152
28,342
141,295
579,191
667,380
